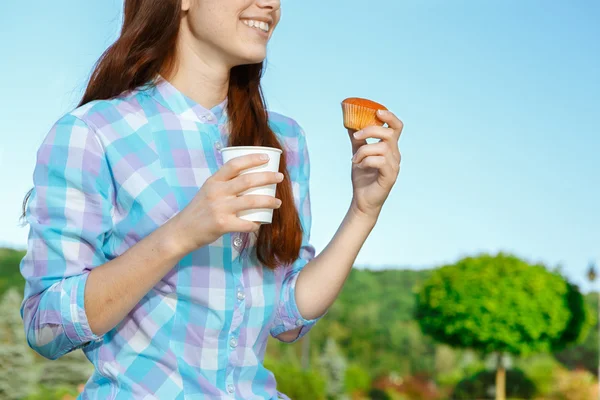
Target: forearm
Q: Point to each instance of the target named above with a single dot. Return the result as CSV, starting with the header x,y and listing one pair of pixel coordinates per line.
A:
x,y
114,288
321,280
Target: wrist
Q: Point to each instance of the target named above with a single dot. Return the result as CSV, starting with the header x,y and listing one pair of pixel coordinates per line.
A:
x,y
170,239
356,214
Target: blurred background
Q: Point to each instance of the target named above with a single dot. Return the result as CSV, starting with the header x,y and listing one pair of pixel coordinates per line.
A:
x,y
482,267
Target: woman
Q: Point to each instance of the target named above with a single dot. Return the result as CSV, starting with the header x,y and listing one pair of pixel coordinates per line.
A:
x,y
135,252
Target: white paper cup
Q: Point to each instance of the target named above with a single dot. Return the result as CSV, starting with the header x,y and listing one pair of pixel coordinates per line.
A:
x,y
262,215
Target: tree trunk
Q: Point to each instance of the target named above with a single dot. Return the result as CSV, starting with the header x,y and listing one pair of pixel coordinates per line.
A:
x,y
500,379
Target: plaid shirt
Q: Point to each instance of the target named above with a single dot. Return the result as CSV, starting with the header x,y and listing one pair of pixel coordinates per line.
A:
x,y
107,175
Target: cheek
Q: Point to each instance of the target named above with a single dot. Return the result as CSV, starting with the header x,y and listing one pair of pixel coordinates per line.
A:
x,y
209,20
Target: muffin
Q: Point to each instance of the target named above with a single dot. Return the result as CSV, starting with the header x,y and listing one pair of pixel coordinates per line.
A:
x,y
359,113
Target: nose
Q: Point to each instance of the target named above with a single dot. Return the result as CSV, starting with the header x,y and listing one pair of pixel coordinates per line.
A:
x,y
272,4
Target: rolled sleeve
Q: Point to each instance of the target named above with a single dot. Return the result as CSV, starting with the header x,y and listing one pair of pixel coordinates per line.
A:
x,y
72,310
287,315
69,214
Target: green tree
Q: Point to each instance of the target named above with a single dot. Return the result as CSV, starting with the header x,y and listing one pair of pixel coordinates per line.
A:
x,y
10,275
501,304
17,377
584,354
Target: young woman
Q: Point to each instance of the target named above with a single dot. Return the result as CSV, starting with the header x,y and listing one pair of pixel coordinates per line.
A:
x,y
135,253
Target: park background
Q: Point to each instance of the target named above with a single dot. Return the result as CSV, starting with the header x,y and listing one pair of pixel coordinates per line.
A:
x,y
499,101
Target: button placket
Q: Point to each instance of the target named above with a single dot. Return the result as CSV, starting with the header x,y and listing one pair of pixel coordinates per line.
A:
x,y
230,388
240,294
237,242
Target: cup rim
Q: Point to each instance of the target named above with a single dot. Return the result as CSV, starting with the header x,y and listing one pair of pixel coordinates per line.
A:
x,y
251,148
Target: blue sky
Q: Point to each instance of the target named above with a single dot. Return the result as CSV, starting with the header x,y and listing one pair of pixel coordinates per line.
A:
x,y
500,102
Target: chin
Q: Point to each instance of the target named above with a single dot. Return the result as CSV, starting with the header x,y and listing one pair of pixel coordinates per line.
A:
x,y
254,58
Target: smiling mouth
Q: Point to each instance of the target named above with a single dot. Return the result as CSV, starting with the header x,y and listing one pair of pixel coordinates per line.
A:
x,y
261,26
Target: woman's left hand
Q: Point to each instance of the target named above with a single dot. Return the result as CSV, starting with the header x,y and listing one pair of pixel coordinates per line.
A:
x,y
375,166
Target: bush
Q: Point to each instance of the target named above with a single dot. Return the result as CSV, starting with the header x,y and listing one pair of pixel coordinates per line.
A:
x,y
481,384
69,370
378,394
573,385
296,383
17,376
541,369
357,379
53,393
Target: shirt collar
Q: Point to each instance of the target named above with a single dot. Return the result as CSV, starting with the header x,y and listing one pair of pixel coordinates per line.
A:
x,y
172,98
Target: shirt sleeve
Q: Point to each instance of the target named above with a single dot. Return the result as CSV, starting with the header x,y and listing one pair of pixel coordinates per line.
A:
x,y
287,315
69,214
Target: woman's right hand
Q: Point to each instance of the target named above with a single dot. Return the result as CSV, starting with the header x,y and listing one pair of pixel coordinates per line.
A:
x,y
213,210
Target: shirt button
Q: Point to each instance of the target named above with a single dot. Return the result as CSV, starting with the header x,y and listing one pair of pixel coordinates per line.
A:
x,y
209,117
203,118
233,342
237,242
240,295
218,146
298,322
230,388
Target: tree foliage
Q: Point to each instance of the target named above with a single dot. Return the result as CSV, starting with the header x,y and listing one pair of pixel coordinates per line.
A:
x,y
584,354
10,275
501,304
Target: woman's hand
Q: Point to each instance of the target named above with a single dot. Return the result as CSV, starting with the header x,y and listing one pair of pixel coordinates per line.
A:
x,y
375,166
213,211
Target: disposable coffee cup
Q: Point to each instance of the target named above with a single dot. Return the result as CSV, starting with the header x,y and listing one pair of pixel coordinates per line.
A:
x,y
262,215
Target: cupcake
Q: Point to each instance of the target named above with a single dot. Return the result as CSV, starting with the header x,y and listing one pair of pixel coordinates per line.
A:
x,y
359,113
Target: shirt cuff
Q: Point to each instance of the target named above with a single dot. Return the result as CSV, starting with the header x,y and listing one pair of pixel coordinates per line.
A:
x,y
72,309
289,316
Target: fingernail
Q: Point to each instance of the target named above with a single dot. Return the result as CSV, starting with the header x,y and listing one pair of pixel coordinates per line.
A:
x,y
264,157
280,176
357,134
381,112
278,203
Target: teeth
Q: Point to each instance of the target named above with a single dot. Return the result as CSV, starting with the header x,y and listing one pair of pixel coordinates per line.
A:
x,y
257,24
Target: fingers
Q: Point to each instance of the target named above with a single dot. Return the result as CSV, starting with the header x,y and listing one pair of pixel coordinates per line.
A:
x,y
241,225
377,132
235,166
377,149
356,143
393,122
386,135
386,168
255,179
252,201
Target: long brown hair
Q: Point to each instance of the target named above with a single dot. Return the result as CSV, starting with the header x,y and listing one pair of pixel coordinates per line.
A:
x,y
145,48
